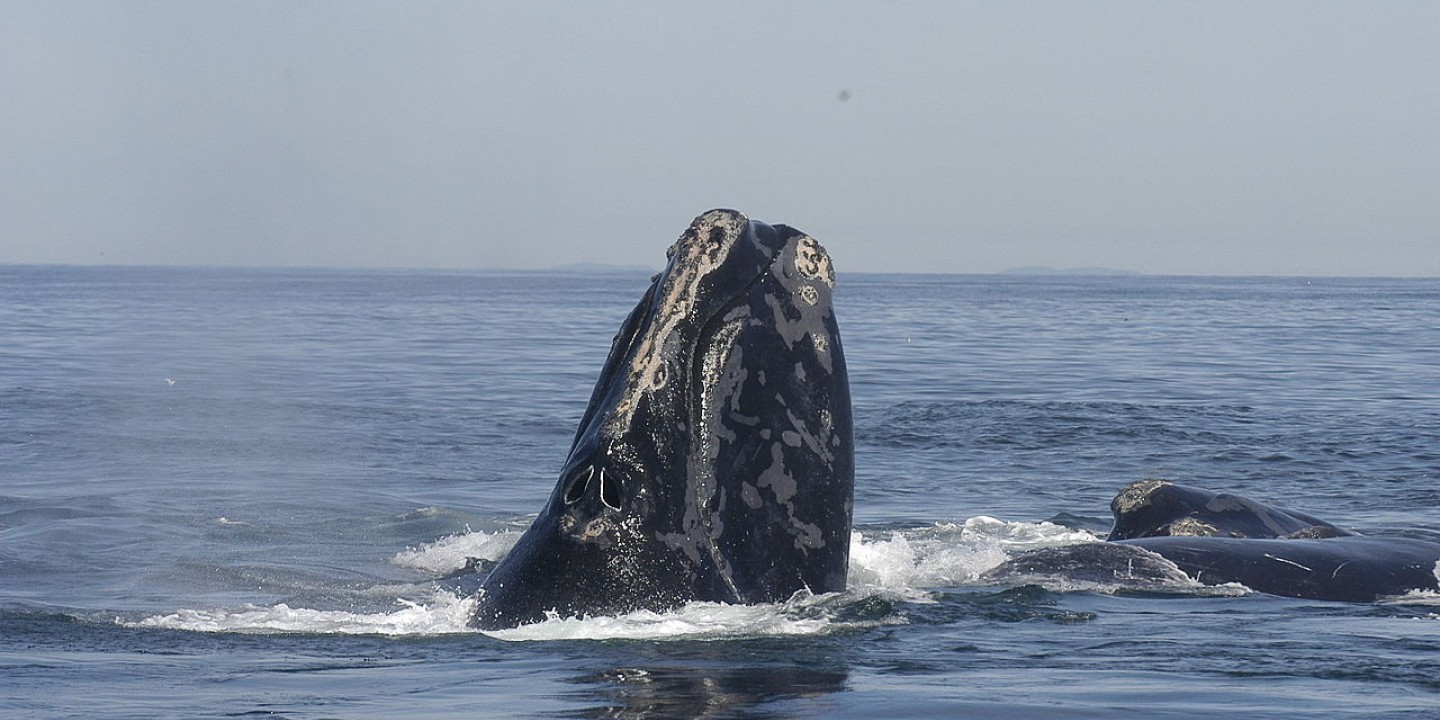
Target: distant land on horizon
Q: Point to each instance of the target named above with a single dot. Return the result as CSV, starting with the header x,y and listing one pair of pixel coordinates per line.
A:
x,y
1047,270
589,267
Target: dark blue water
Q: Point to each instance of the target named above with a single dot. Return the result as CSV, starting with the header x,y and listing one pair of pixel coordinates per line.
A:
x,y
243,492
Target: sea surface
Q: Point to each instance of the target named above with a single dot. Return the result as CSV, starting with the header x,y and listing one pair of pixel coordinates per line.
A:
x,y
236,493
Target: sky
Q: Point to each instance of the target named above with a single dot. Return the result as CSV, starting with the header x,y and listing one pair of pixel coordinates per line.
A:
x,y
1277,138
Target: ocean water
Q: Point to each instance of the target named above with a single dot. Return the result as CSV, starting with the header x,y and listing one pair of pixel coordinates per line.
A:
x,y
232,493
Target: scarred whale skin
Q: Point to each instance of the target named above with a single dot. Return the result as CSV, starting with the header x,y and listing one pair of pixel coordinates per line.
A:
x,y
715,460
1352,568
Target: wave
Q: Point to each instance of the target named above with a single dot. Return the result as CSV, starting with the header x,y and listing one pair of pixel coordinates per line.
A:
x,y
803,614
1414,597
453,553
887,567
1418,597
948,554
445,613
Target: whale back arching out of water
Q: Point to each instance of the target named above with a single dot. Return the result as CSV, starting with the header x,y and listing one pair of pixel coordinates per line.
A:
x,y
715,460
1160,508
1218,538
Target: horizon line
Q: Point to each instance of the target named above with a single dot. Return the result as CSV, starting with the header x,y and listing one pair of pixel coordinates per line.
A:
x,y
604,268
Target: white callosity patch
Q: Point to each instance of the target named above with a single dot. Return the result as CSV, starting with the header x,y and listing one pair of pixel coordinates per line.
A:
x,y
703,248
1193,527
1135,496
812,262
806,271
808,294
723,375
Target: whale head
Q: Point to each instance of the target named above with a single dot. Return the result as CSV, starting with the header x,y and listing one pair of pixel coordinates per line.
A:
x,y
715,459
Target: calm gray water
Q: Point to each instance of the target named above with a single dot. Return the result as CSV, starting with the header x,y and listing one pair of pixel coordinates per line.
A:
x,y
252,492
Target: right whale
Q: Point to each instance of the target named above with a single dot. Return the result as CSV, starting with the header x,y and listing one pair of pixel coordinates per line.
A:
x,y
715,460
1218,538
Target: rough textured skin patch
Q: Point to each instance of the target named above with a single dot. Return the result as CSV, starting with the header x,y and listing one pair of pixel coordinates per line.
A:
x,y
700,251
1136,495
812,262
809,295
1193,527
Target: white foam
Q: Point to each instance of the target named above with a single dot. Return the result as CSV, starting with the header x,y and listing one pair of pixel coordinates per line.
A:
x,y
1022,535
1414,597
1418,597
948,554
904,563
1179,584
453,553
447,614
937,555
804,614
444,614
899,565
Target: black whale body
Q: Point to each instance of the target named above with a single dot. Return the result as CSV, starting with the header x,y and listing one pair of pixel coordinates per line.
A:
x,y
715,460
1157,508
1219,538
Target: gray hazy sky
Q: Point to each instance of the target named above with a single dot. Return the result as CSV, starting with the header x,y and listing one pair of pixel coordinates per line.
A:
x,y
1163,137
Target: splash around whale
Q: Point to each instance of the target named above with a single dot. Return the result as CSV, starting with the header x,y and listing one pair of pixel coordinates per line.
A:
x,y
715,463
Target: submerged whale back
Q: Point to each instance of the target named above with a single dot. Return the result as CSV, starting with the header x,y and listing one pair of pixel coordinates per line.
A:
x,y
1164,530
